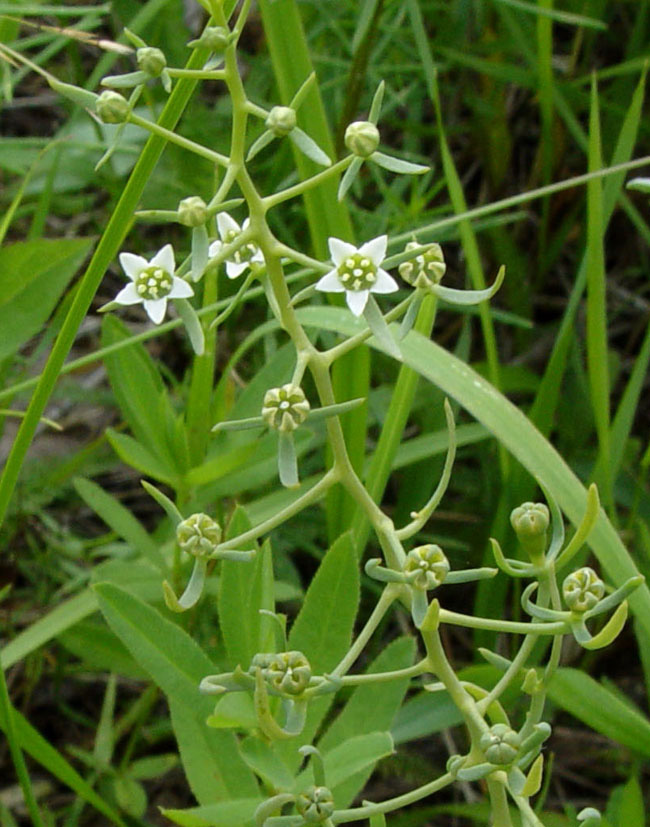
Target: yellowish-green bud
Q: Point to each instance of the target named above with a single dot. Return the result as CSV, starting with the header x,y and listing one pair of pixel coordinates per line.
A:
x,y
500,744
192,211
287,673
429,565
281,120
426,269
111,107
530,522
198,535
285,408
362,138
315,804
151,61
582,590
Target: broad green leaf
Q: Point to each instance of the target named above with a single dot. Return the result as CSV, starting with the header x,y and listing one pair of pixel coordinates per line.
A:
x,y
510,426
370,707
265,762
629,808
244,589
34,275
601,709
225,814
176,663
134,453
95,645
120,519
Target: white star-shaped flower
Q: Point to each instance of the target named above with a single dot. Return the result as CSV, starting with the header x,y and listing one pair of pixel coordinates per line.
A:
x,y
152,282
240,260
357,272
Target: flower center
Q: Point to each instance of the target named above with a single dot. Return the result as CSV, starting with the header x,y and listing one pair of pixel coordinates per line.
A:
x,y
244,253
357,273
153,283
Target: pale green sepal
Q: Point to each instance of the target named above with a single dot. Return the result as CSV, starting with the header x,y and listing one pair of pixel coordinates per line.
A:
x,y
108,307
432,619
516,780
374,569
220,206
534,778
608,633
296,715
540,612
265,719
287,460
397,165
495,660
301,94
192,593
270,806
582,532
615,597
240,424
589,817
348,178
468,297
507,565
192,324
164,502
134,39
200,246
419,606
82,97
377,100
127,81
557,521
113,146
530,745
469,575
317,765
156,216
639,184
165,79
309,147
316,414
280,627
382,334
258,145
474,773
411,314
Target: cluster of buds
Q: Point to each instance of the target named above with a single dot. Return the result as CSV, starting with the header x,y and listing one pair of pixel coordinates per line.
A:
x,y
286,673
198,535
285,408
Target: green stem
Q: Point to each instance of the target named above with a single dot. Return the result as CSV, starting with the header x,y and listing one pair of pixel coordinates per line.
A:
x,y
383,604
298,189
184,143
499,802
369,810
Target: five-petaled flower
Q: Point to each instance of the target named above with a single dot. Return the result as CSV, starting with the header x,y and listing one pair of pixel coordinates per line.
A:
x,y
152,282
357,272
242,258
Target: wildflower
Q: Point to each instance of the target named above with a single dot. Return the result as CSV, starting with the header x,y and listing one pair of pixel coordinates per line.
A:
x,y
245,256
357,272
583,590
285,408
152,282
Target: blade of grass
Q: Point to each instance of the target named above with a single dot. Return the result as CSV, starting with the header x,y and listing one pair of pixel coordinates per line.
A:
x,y
545,10
597,350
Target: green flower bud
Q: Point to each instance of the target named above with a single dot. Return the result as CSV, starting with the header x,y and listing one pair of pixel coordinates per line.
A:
x,y
215,38
500,744
315,804
582,590
192,211
285,408
198,535
530,522
428,564
151,61
281,120
288,673
362,138
426,269
111,107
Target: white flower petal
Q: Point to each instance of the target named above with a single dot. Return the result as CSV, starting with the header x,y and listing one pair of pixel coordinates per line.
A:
x,y
375,249
357,300
164,258
247,221
180,289
214,248
128,295
258,256
234,269
225,224
330,283
340,250
156,309
132,265
384,283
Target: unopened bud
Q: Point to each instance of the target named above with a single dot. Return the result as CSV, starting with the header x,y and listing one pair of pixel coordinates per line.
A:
x,y
582,590
427,268
315,804
198,535
285,408
288,673
281,120
362,138
151,61
192,211
111,107
500,744
428,566
530,522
